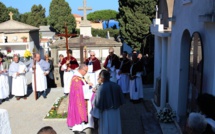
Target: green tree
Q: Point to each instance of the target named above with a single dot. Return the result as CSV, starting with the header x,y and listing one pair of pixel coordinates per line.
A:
x,y
15,11
102,15
24,17
60,13
135,19
37,16
3,13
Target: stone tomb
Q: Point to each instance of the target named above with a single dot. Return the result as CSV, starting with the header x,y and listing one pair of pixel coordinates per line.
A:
x,y
87,44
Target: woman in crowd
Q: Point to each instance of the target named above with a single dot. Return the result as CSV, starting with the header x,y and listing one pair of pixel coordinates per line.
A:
x,y
50,76
60,71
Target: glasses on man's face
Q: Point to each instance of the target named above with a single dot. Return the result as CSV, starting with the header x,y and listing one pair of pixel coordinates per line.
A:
x,y
92,55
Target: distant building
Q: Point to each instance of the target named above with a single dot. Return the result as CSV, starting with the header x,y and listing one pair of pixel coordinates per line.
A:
x,y
46,36
94,25
16,37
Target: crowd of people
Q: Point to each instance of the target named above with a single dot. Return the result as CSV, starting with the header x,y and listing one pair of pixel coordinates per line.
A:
x,y
95,94
13,80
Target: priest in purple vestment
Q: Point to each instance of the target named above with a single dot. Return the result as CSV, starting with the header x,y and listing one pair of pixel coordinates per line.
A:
x,y
79,117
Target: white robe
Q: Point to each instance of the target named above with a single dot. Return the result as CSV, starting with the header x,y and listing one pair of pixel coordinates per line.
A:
x,y
110,122
136,83
67,78
20,82
123,82
87,95
41,81
4,86
92,76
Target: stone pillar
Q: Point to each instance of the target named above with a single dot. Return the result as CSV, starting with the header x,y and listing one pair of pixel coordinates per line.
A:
x,y
54,56
81,54
157,59
164,72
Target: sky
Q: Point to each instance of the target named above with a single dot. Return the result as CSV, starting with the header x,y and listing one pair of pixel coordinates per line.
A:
x,y
25,5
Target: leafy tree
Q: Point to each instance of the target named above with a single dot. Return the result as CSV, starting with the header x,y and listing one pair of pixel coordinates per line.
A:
x,y
60,13
24,17
15,11
135,19
37,16
103,32
102,15
3,13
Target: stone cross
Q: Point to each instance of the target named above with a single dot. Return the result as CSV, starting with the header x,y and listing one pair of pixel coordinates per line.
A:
x,y
83,48
156,9
85,8
11,15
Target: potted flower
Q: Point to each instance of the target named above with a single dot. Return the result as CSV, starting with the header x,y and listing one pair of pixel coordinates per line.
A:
x,y
166,115
27,54
24,38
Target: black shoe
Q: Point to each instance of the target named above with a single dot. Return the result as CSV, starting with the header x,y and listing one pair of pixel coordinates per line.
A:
x,y
44,97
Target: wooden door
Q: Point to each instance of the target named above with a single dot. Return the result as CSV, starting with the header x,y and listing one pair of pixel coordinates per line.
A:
x,y
195,72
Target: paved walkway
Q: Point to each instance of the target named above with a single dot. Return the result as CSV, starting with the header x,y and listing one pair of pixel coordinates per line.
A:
x,y
26,116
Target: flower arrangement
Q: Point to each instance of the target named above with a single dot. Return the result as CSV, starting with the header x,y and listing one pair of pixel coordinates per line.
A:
x,y
53,112
8,51
166,115
27,54
10,55
23,37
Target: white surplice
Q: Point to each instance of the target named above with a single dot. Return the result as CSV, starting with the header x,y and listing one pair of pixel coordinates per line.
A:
x,y
87,96
136,87
19,84
41,81
67,78
92,76
4,86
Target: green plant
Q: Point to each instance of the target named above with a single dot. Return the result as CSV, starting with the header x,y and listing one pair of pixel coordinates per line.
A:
x,y
53,111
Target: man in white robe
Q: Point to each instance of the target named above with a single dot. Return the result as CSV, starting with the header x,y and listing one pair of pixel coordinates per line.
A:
x,y
135,84
42,69
108,100
112,64
94,68
4,86
69,64
19,86
123,74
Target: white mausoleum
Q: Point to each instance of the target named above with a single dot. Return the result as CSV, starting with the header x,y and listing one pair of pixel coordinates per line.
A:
x,y
184,52
18,37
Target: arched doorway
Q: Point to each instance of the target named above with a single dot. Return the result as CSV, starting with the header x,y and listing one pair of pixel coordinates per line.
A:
x,y
184,73
195,72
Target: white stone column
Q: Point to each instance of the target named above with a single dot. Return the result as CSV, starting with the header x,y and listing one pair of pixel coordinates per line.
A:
x,y
164,72
156,59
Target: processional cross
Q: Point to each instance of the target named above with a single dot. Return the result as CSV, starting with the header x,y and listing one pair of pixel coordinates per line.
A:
x,y
66,35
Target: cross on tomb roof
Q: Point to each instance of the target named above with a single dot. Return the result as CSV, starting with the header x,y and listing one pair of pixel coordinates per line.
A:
x,y
85,8
11,15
